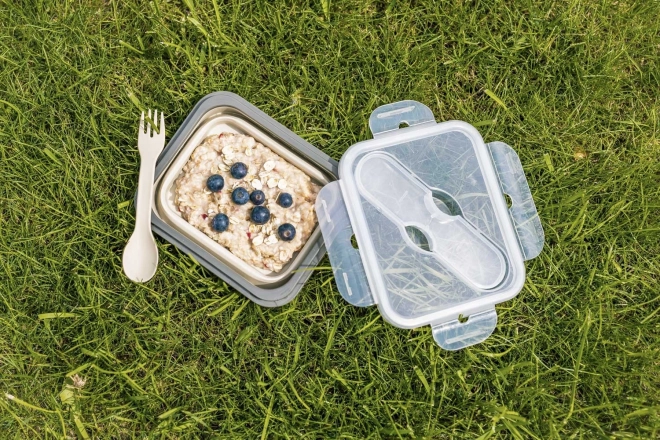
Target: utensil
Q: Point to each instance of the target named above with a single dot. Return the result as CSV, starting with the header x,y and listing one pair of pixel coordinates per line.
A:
x,y
140,257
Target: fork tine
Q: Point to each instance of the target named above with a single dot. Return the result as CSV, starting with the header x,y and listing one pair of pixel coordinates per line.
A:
x,y
162,125
149,123
142,123
155,126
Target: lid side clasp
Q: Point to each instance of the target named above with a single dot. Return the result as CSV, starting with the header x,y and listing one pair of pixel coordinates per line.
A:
x,y
454,335
389,117
337,232
523,212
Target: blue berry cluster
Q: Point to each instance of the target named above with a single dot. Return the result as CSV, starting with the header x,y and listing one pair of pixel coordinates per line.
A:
x,y
259,214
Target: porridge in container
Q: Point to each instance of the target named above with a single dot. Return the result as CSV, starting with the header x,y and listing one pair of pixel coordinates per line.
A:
x,y
266,237
227,113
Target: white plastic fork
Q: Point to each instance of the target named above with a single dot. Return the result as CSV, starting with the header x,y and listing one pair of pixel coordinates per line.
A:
x,y
140,257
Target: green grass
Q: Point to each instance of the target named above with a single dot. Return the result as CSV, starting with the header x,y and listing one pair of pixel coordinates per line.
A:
x,y
574,86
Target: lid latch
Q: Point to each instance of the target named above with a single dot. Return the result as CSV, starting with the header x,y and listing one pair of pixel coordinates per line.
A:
x,y
337,232
523,212
389,117
454,335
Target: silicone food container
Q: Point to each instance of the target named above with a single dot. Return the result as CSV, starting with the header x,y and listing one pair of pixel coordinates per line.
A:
x,y
227,112
436,243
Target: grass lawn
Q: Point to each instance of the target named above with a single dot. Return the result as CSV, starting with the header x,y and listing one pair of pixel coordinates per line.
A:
x,y
573,86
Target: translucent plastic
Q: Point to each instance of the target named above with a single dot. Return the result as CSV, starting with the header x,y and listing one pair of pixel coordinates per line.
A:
x,y
523,211
407,202
436,239
345,259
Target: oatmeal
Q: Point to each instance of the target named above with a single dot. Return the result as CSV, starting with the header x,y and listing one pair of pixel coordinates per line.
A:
x,y
266,246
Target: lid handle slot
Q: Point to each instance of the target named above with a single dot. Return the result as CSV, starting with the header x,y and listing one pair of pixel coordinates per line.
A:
x,y
522,211
455,335
407,202
337,231
389,117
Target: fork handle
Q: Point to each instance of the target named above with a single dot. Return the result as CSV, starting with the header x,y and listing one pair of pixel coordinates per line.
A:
x,y
145,195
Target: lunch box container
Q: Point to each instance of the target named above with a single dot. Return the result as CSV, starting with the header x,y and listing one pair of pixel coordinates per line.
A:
x,y
436,242
226,112
414,220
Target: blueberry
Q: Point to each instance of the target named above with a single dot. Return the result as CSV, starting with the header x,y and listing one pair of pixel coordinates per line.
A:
x,y
240,196
260,215
238,170
285,200
220,223
215,183
286,231
258,197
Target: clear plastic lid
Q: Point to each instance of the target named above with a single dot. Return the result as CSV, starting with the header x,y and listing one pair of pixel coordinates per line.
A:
x,y
435,237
